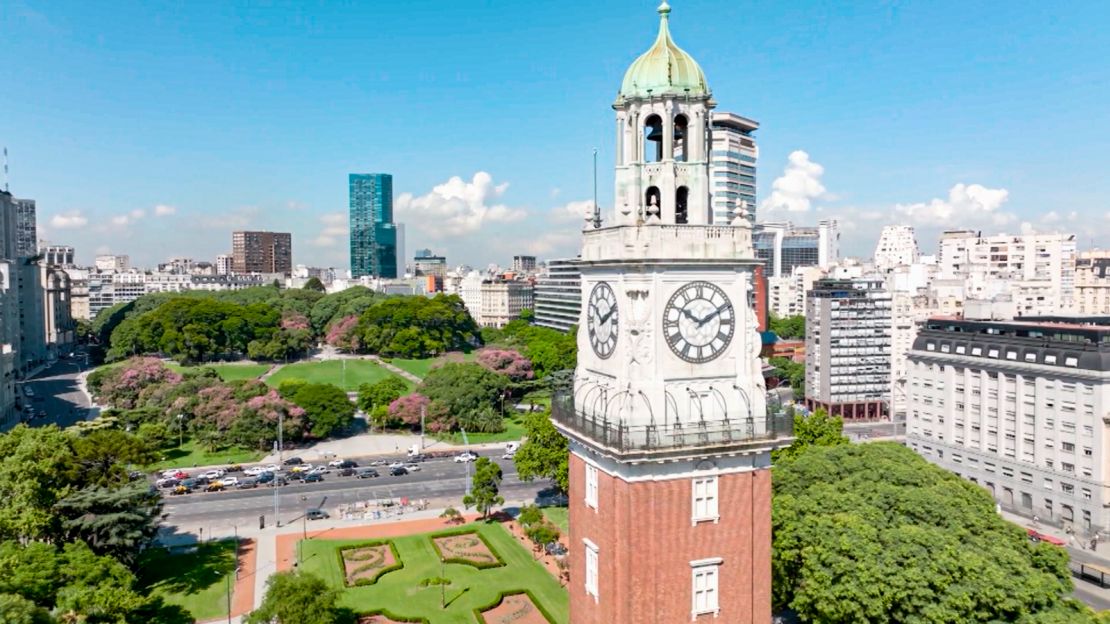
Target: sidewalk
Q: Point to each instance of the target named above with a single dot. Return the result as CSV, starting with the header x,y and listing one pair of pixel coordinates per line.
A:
x,y
1101,552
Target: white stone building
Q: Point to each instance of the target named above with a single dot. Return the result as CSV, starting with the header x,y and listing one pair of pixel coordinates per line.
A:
x,y
897,246
558,295
1092,283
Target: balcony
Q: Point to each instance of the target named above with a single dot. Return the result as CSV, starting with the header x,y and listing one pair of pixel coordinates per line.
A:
x,y
671,439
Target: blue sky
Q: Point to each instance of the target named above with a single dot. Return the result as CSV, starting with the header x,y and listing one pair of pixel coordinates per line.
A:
x,y
156,128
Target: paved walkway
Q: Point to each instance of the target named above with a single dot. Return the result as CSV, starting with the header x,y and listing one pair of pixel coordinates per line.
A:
x,y
1101,550
395,370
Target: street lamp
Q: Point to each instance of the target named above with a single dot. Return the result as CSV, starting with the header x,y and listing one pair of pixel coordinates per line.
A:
x,y
466,446
229,593
442,584
180,430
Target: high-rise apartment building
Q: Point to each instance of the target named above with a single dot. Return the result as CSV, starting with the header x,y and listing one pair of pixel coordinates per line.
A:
x,y
897,246
1018,407
60,256
223,264
848,337
426,263
373,233
1036,272
1092,282
9,311
558,295
782,246
524,264
26,236
732,164
262,252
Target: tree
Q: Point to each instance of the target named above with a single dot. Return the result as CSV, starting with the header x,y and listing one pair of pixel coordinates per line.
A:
x,y
106,454
452,516
541,534
38,470
873,533
507,362
326,407
18,610
314,283
817,429
529,515
299,598
466,391
119,522
382,392
544,454
417,327
791,372
793,327
485,487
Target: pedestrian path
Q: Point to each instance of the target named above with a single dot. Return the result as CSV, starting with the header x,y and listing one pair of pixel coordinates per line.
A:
x,y
395,370
1069,539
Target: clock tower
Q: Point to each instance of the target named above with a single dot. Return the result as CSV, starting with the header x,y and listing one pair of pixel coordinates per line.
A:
x,y
670,437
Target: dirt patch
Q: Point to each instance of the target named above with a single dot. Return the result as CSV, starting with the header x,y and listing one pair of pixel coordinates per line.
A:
x,y
467,546
515,609
550,562
366,562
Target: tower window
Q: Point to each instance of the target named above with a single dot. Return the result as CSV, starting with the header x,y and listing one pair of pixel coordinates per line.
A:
x,y
653,139
591,569
705,500
706,573
681,138
680,213
652,202
591,485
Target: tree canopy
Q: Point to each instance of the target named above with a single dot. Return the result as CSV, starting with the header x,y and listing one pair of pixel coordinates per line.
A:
x,y
382,392
872,533
485,487
792,327
417,327
544,454
548,350
326,406
300,598
469,393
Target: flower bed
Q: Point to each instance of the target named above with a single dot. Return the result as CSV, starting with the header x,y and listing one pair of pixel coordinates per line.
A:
x,y
468,548
514,609
364,564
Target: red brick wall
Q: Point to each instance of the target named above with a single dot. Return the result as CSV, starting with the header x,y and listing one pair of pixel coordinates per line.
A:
x,y
759,279
646,542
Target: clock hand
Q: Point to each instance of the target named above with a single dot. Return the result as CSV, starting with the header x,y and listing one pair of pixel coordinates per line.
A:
x,y
606,317
711,315
690,315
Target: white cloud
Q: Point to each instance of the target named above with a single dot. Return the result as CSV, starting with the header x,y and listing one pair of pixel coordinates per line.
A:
x,y
797,187
236,218
574,211
966,204
555,243
162,210
334,232
124,220
457,207
68,220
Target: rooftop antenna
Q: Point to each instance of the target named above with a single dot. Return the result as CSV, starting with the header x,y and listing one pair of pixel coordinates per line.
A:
x,y
597,209
6,169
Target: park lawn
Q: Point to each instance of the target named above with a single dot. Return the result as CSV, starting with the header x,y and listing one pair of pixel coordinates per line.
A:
x,y
357,373
193,454
196,581
514,431
400,593
227,372
420,368
559,517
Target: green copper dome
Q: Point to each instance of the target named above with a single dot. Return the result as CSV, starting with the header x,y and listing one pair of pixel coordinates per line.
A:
x,y
665,69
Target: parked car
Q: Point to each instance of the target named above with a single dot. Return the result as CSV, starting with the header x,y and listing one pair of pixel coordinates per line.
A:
x,y
167,483
313,477
274,468
346,472
465,457
336,463
215,486
234,468
202,480
215,473
278,480
396,464
254,471
316,514
293,461
264,477
399,471
229,481
319,470
367,473
412,467
191,483
178,490
348,463
378,462
247,484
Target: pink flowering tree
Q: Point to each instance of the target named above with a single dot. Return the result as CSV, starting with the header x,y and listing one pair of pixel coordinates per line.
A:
x,y
406,411
121,387
508,362
294,320
343,334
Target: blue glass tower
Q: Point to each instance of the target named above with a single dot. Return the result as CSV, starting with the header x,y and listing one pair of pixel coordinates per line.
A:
x,y
373,233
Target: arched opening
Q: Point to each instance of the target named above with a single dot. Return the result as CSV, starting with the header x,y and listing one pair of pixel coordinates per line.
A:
x,y
681,138
680,196
653,139
651,201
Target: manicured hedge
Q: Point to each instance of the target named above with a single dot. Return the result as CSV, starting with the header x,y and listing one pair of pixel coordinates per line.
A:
x,y
394,617
397,565
481,565
539,605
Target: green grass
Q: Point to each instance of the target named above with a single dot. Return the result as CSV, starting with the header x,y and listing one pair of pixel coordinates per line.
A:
x,y
420,368
192,454
400,592
227,372
514,430
331,371
558,516
196,581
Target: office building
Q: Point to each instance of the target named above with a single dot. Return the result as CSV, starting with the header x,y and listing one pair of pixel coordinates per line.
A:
x,y
373,233
9,313
26,237
783,247
558,295
58,256
223,264
1036,272
109,263
402,260
429,264
59,326
897,246
262,252
502,301
669,434
732,162
523,265
848,339
1018,407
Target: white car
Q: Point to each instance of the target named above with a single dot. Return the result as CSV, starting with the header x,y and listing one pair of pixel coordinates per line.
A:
x,y
319,470
213,475
254,471
335,463
396,464
229,482
167,474
465,457
412,467
272,468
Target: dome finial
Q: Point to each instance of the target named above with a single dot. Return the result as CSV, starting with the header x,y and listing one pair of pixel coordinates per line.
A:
x,y
664,9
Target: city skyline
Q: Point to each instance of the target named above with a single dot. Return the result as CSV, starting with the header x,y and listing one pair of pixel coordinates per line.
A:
x,y
892,132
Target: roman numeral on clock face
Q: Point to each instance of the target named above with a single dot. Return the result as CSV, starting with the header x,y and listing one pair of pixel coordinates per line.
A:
x,y
699,322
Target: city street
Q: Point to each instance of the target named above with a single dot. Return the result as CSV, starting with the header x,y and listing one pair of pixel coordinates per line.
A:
x,y
57,394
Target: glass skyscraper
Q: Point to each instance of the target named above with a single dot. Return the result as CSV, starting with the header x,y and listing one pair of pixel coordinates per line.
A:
x,y
373,233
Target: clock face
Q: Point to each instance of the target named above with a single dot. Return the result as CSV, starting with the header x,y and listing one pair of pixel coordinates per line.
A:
x,y
698,322
602,320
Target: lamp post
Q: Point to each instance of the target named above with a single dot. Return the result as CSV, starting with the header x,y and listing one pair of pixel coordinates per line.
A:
x,y
276,483
442,585
229,593
180,430
466,445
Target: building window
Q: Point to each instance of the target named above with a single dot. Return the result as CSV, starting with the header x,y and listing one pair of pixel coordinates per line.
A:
x,y
705,578
705,499
1048,484
591,569
591,485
